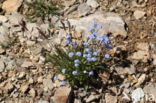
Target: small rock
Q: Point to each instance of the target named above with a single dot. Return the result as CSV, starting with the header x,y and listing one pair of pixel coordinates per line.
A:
x,y
21,75
11,5
83,9
125,70
92,98
62,95
9,87
3,18
48,84
24,88
143,46
26,64
15,18
110,99
2,66
92,3
137,94
140,80
40,79
139,14
150,90
32,92
140,55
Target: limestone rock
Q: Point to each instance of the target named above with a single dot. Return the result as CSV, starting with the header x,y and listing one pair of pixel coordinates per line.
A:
x,y
48,84
3,18
11,5
139,14
111,22
92,3
83,9
110,99
137,94
62,95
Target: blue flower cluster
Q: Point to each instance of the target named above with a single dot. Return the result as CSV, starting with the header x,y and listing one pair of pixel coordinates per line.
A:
x,y
87,56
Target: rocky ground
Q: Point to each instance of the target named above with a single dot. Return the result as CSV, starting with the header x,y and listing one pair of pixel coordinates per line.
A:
x,y
26,77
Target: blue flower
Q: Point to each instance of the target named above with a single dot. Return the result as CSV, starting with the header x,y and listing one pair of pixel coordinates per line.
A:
x,y
67,42
89,55
94,23
95,53
76,65
76,61
91,73
85,43
107,56
75,72
63,83
108,46
87,50
89,59
55,78
71,54
92,36
106,40
68,36
91,30
98,27
63,71
74,45
85,55
85,72
94,59
78,53
99,38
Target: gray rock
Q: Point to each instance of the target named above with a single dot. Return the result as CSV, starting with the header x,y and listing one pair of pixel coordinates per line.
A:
x,y
83,9
92,3
48,84
27,64
2,65
15,18
125,70
139,14
137,94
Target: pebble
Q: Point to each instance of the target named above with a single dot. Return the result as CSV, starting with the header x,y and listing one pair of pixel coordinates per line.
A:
x,y
92,98
48,84
110,99
92,3
137,94
83,9
62,95
11,5
3,19
24,88
139,14
32,92
27,64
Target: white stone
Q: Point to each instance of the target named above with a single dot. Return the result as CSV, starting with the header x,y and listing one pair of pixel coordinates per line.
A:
x,y
139,14
48,83
92,3
3,18
137,94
